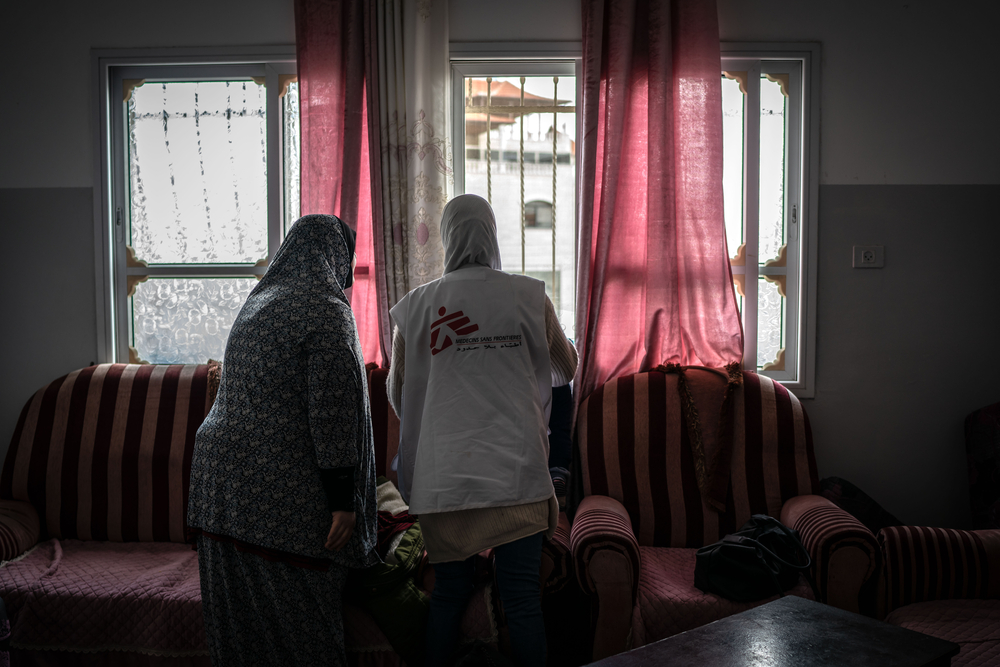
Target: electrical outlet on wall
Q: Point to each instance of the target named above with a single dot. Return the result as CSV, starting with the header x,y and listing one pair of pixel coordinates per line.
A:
x,y
869,256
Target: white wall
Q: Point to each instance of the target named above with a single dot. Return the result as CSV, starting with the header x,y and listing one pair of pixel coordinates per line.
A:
x,y
908,102
48,300
908,147
527,20
47,109
907,94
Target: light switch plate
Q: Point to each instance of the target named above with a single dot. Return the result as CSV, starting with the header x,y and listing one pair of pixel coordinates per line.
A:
x,y
869,256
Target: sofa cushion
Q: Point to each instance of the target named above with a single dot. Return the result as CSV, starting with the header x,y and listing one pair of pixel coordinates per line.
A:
x,y
669,603
19,528
104,453
137,597
146,598
635,448
972,624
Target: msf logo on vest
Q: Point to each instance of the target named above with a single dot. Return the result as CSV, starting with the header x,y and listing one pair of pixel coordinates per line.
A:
x,y
457,322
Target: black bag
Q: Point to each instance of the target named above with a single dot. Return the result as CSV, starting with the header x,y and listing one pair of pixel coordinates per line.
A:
x,y
759,560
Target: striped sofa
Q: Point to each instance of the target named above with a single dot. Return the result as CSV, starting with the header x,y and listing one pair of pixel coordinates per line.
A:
x,y
93,498
676,458
945,583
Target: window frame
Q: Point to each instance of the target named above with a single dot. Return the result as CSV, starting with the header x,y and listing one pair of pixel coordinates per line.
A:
x,y
802,256
110,67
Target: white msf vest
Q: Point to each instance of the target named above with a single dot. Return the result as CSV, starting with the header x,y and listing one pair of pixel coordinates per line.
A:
x,y
476,392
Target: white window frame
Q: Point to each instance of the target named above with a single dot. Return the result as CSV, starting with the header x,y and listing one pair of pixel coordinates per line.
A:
x,y
110,67
802,203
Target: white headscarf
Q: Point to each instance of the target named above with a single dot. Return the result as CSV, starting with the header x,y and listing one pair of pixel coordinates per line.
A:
x,y
469,234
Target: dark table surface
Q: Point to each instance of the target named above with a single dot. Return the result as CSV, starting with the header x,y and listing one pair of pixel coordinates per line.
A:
x,y
789,632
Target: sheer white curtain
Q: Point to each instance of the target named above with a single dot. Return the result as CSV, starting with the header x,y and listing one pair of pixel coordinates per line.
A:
x,y
409,97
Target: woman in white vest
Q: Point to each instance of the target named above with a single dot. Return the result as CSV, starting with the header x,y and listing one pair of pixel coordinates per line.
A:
x,y
475,355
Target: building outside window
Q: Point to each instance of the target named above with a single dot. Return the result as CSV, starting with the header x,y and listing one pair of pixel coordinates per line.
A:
x,y
515,123
538,214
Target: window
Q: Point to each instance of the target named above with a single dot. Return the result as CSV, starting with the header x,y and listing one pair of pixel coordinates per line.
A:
x,y
538,214
516,127
201,179
769,182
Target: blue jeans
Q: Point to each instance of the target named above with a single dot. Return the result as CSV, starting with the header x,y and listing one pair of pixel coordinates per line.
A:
x,y
518,564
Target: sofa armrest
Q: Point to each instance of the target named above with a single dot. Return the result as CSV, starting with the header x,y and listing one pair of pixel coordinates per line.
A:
x,y
606,558
845,554
19,528
557,558
923,564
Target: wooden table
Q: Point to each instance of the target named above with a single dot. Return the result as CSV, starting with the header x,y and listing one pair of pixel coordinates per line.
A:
x,y
792,632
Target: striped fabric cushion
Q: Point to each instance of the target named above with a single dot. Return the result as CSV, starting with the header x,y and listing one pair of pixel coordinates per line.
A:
x,y
634,447
385,423
825,529
922,564
19,529
104,453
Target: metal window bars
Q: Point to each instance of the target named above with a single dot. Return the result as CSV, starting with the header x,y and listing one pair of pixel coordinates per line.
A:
x,y
508,112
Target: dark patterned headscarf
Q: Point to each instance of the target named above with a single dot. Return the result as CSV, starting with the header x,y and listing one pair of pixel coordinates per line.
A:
x,y
315,256
350,237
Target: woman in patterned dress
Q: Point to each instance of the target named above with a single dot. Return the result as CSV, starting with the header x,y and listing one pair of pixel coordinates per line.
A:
x,y
283,476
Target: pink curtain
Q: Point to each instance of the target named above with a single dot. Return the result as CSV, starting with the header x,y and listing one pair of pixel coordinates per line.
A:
x,y
377,285
335,171
654,284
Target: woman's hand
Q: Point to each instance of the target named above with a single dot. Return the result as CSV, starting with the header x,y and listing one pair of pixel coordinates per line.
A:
x,y
340,531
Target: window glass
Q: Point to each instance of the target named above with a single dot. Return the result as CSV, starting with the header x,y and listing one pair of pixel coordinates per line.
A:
x,y
549,279
198,172
290,130
772,170
770,322
193,226
732,175
762,156
186,320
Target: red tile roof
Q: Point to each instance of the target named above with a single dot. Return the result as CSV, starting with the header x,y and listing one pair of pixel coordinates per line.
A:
x,y
505,90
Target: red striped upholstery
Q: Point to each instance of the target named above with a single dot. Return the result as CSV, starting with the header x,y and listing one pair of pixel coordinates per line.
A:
x,y
922,564
634,448
385,423
104,453
19,528
830,535
557,564
601,525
